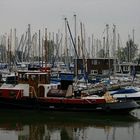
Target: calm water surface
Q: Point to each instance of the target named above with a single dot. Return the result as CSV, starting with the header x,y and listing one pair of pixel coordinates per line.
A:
x,y
36,125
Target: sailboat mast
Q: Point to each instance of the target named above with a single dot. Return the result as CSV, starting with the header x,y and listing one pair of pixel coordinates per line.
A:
x,y
133,35
46,48
43,48
66,46
89,50
10,49
103,47
29,42
82,47
107,47
15,41
107,41
8,54
39,48
76,47
72,39
92,49
114,47
75,31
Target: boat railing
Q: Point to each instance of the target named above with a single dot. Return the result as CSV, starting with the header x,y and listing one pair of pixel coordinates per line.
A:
x,y
88,101
32,92
19,94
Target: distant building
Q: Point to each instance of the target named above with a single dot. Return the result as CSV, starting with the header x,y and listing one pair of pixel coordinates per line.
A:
x,y
128,68
104,66
95,66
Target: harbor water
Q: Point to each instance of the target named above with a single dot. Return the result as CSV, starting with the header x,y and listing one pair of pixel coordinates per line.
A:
x,y
39,125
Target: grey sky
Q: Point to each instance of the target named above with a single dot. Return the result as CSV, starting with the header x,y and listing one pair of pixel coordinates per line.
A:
x,y
95,14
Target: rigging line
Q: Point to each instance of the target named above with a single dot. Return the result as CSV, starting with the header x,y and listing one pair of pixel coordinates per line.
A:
x,y
72,39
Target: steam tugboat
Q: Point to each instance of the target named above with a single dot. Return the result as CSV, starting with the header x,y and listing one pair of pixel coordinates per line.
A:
x,y
34,91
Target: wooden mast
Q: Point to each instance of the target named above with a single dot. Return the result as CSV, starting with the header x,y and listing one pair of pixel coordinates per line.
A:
x,y
66,46
82,47
9,51
76,47
46,48
107,48
39,49
29,42
114,47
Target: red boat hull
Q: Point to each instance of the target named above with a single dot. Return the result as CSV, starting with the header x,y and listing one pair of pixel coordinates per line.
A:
x,y
67,104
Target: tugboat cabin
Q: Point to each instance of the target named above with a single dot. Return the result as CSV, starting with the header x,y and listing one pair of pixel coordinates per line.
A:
x,y
36,81
28,84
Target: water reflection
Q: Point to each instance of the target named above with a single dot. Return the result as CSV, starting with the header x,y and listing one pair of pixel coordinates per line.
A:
x,y
35,125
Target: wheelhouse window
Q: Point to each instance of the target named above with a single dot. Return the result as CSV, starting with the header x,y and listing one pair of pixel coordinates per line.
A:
x,y
125,68
95,62
94,72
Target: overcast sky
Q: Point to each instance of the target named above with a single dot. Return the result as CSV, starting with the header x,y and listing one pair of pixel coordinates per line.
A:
x,y
95,14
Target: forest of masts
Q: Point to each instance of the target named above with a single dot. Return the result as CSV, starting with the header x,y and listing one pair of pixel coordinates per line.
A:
x,y
65,45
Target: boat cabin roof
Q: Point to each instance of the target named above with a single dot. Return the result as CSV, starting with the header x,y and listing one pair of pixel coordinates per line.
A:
x,y
36,73
29,76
